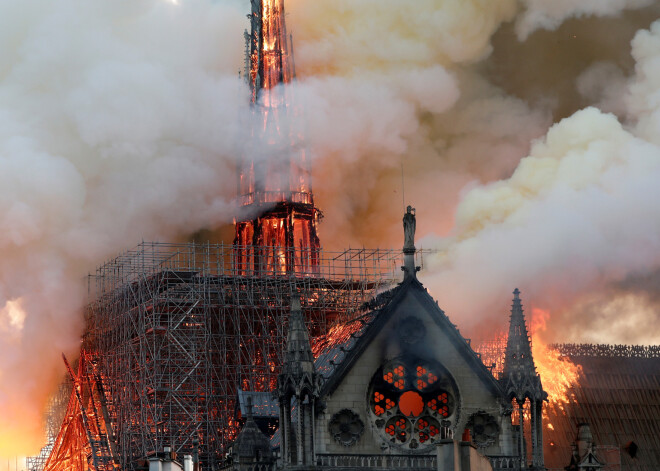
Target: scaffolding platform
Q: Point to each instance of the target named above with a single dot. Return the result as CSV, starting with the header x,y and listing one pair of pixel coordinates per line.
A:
x,y
179,328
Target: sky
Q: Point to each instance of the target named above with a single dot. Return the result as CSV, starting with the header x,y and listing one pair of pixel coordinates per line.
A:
x,y
526,132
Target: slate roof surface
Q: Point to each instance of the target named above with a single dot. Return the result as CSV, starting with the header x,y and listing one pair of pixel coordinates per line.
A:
x,y
332,349
263,404
619,397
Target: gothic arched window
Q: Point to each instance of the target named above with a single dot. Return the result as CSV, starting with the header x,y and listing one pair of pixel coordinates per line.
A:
x,y
413,402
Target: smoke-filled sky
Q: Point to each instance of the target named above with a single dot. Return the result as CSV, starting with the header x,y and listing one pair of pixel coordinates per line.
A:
x,y
528,134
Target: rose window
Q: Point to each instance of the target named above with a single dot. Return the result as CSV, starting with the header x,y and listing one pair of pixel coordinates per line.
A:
x,y
412,402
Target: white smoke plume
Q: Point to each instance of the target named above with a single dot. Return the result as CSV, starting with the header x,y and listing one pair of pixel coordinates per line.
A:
x,y
575,225
120,120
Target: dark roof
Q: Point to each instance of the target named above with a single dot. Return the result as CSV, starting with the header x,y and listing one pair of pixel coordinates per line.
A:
x,y
333,348
619,397
251,443
263,404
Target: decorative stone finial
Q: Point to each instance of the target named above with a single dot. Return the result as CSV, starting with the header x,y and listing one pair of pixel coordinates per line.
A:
x,y
409,226
298,358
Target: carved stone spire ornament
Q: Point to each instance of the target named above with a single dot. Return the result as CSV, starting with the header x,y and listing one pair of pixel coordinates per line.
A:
x,y
520,377
298,366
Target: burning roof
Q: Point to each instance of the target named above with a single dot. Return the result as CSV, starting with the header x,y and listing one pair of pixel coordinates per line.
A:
x,y
618,395
333,348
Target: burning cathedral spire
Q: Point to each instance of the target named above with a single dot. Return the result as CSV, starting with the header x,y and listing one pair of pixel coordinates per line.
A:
x,y
276,222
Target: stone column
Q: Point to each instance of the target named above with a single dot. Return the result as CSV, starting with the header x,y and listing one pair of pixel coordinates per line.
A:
x,y
540,462
533,429
285,430
300,439
521,435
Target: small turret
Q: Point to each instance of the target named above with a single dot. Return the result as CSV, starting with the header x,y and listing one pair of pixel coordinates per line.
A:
x,y
520,377
298,361
584,457
520,381
298,387
251,447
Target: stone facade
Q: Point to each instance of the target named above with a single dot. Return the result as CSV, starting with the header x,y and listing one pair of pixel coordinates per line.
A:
x,y
399,387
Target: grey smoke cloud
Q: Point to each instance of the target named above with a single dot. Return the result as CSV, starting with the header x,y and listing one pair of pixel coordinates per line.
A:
x,y
563,224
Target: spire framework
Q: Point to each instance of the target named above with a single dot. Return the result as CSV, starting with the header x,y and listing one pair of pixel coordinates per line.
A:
x,y
270,59
276,208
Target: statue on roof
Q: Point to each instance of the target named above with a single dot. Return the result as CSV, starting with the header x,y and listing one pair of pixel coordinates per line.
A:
x,y
409,226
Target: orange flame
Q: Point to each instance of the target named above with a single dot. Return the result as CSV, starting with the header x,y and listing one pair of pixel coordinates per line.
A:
x,y
558,373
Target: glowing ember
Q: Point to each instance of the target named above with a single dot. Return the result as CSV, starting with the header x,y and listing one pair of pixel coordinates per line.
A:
x,y
337,335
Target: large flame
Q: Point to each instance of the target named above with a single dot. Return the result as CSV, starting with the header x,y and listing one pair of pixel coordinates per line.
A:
x,y
558,373
21,434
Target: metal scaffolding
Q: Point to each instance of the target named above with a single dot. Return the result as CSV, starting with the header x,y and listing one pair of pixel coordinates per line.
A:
x,y
55,413
492,353
180,327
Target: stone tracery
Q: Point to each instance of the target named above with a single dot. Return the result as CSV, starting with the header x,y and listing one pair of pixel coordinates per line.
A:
x,y
412,402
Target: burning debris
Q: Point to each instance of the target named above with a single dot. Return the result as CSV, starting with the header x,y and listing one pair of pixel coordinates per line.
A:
x,y
85,441
277,224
